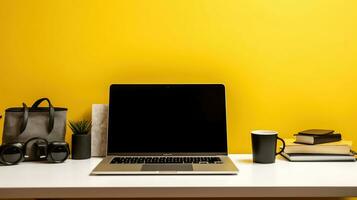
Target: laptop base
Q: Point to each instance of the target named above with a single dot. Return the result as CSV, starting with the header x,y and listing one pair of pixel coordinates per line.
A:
x,y
106,168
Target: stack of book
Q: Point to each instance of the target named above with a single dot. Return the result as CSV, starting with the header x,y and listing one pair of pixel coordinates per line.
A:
x,y
318,145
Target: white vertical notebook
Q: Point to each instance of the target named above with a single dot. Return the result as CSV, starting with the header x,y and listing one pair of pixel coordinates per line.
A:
x,y
99,129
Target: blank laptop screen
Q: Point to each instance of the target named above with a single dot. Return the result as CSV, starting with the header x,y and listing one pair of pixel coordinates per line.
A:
x,y
167,119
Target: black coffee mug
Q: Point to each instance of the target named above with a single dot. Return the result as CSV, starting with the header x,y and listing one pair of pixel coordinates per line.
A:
x,y
264,146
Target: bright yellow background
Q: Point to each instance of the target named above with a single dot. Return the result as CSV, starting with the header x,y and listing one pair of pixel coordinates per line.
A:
x,y
288,65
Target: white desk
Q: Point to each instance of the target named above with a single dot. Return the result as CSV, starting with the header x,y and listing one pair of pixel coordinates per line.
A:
x,y
282,179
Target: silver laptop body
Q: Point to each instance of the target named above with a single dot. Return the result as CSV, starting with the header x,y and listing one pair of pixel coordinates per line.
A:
x,y
166,129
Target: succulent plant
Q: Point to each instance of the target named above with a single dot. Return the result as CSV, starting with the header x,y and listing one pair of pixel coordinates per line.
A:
x,y
80,127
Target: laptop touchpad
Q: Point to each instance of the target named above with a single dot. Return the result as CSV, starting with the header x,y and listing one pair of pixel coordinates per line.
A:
x,y
167,167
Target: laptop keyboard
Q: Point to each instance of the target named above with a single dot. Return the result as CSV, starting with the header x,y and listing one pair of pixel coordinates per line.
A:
x,y
166,160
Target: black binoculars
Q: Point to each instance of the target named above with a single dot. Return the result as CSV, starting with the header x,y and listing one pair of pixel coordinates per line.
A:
x,y
54,152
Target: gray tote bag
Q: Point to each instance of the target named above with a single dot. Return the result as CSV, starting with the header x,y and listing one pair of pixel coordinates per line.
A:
x,y
24,123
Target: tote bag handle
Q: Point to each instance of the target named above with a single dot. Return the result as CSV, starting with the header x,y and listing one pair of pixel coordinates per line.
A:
x,y
51,114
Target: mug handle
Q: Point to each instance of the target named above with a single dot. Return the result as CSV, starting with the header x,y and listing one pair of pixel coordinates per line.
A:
x,y
283,146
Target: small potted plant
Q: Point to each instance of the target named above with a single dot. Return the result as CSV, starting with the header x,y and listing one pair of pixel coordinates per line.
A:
x,y
81,139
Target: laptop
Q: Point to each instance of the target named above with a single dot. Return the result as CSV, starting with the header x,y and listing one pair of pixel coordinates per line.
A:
x,y
166,129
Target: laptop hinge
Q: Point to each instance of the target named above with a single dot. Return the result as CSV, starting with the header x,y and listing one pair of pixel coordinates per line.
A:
x,y
169,154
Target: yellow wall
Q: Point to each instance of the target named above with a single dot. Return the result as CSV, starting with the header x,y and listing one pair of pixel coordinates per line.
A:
x,y
287,65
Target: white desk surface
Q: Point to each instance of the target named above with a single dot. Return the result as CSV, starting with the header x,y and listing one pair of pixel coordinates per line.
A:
x,y
281,179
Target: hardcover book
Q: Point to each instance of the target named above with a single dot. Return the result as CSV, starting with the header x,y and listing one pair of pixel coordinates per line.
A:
x,y
300,157
341,147
316,132
317,139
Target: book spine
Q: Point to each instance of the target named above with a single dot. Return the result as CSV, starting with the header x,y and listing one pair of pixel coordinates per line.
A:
x,y
325,139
